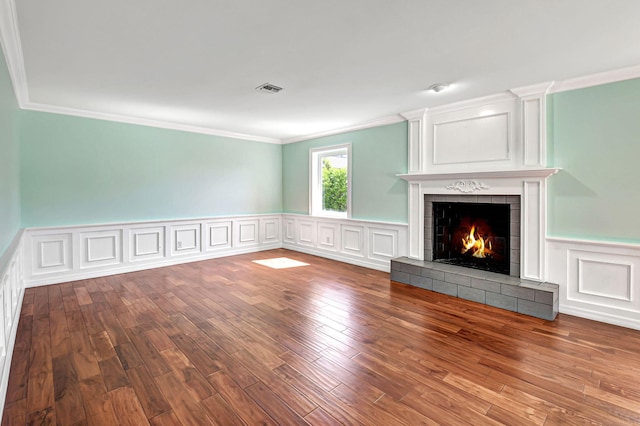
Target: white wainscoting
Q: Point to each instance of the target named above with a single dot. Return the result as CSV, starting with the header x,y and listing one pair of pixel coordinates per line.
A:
x,y
364,243
11,295
598,280
78,252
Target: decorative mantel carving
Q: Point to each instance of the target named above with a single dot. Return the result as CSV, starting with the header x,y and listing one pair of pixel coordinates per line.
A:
x,y
467,186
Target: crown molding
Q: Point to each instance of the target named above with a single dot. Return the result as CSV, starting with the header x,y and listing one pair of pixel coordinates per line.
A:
x,y
392,119
12,48
533,89
621,74
416,114
32,106
472,103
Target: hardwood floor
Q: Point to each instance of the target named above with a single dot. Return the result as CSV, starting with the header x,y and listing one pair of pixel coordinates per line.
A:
x,y
228,341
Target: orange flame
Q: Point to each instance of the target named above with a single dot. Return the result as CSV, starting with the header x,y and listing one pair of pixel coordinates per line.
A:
x,y
475,243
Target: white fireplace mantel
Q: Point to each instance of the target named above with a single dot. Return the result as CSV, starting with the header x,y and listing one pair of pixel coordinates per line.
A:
x,y
528,184
486,174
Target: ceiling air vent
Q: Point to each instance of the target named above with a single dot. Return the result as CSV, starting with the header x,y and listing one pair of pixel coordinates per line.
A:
x,y
268,88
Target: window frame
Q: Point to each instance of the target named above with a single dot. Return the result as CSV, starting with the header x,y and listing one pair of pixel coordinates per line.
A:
x,y
315,180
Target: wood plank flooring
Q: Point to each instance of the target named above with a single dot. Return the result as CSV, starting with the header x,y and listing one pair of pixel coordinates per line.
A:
x,y
231,342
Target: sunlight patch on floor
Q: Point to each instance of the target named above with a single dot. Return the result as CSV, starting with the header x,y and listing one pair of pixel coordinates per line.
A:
x,y
280,263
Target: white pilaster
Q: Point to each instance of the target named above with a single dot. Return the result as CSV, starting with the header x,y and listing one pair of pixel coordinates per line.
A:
x,y
533,123
417,123
416,221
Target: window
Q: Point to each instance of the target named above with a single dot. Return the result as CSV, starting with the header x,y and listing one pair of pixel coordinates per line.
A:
x,y
330,181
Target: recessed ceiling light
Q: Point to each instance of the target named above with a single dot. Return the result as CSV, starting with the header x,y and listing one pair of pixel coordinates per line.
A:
x,y
438,87
268,88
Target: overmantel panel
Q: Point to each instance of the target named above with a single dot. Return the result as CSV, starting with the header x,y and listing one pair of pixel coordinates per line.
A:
x,y
479,137
502,131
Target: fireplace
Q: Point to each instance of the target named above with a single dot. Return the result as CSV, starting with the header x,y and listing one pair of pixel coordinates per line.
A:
x,y
489,150
510,220
474,235
481,232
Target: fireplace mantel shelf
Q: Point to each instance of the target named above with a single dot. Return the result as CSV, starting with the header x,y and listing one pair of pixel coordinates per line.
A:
x,y
489,174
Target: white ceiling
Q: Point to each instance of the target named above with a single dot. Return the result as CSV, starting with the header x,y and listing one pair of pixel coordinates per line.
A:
x,y
341,62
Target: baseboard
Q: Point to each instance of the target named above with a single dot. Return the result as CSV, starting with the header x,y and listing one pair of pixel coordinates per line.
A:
x,y
607,318
383,266
135,268
12,294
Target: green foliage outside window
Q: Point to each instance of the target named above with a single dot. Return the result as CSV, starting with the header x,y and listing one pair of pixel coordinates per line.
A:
x,y
334,187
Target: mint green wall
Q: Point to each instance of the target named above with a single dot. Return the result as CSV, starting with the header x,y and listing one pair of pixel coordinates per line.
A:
x,y
9,160
378,154
84,171
594,136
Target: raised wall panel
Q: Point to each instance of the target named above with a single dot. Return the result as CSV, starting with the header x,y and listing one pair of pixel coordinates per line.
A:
x,y
186,239
383,243
12,283
147,243
306,233
352,240
604,279
415,145
7,308
16,283
248,232
101,248
20,270
327,236
472,140
480,135
51,253
4,335
532,132
219,235
270,230
290,230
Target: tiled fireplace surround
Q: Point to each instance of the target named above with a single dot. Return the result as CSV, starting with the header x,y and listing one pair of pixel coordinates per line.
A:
x,y
514,222
446,164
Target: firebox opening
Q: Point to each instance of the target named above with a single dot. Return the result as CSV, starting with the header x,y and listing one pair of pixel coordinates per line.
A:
x,y
474,235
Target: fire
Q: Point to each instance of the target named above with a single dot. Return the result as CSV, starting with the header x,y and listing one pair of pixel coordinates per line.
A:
x,y
477,245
